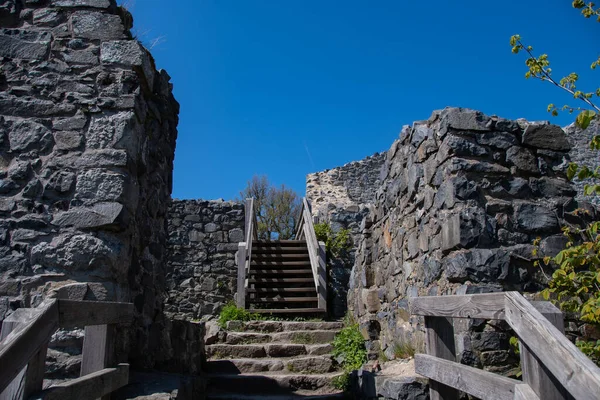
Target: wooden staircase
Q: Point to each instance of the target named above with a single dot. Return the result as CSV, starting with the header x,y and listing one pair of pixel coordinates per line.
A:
x,y
280,280
282,276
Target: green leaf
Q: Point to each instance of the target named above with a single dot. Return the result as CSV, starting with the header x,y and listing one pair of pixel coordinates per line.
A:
x,y
584,118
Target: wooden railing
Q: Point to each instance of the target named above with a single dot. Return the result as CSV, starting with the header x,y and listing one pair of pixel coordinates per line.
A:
x,y
316,252
553,368
24,341
244,254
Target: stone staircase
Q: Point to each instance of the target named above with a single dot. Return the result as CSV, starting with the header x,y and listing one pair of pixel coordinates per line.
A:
x,y
272,360
281,280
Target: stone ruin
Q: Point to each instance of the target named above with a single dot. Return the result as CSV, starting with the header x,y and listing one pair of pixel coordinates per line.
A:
x,y
459,199
87,140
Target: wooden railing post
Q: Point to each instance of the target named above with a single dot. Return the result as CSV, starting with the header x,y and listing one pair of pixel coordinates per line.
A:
x,y
31,378
541,381
98,350
439,342
240,298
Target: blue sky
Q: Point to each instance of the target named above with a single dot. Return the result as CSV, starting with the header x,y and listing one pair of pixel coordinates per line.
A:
x,y
288,87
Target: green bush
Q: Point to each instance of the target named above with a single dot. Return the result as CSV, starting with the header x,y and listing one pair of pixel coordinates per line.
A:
x,y
231,312
335,243
349,346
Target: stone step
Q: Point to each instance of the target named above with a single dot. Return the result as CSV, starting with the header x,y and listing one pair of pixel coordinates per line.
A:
x,y
304,365
271,383
293,337
304,395
227,351
281,326
289,311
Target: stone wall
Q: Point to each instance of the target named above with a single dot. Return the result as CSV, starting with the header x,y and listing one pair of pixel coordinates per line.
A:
x,y
201,271
340,197
583,155
87,140
462,198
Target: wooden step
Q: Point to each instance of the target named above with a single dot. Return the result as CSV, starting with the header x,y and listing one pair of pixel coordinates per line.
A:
x,y
280,280
281,290
283,300
273,249
280,272
280,257
278,264
279,243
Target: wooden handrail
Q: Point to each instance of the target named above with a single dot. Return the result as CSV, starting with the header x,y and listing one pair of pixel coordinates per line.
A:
x,y
244,254
316,252
22,344
552,365
26,335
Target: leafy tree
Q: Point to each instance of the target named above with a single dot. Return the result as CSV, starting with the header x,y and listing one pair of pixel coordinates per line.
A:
x,y
277,208
575,283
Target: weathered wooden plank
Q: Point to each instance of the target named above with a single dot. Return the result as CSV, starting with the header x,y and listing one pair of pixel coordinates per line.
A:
x,y
476,382
577,373
322,287
15,389
24,343
74,313
311,244
485,306
98,349
89,387
250,229
535,374
525,392
439,343
248,211
240,298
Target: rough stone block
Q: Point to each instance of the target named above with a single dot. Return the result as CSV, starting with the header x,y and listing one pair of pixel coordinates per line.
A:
x,y
463,119
236,235
26,134
81,252
130,53
81,3
523,159
23,44
99,185
73,291
48,17
551,137
100,215
70,124
478,265
60,182
111,131
534,218
67,140
97,25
